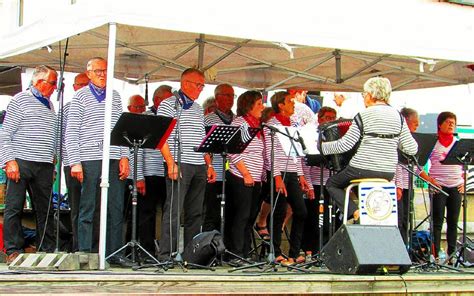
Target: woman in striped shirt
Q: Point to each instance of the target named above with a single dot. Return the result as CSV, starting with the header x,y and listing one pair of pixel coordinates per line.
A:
x,y
451,179
245,178
290,182
382,131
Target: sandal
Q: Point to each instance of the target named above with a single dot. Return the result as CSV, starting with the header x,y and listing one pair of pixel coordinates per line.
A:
x,y
300,259
262,231
280,259
288,262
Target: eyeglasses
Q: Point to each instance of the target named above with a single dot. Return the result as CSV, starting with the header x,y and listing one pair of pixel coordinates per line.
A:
x,y
197,84
328,117
53,83
228,95
99,71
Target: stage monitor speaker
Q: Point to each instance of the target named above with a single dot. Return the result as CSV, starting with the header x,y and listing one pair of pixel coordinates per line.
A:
x,y
366,249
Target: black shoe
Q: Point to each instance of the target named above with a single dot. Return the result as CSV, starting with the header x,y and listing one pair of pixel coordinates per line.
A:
x,y
120,261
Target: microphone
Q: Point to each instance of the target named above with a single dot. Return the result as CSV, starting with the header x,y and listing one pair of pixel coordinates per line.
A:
x,y
175,93
271,127
301,141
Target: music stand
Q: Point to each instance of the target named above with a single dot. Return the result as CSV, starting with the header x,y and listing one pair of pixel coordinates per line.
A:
x,y
139,131
426,143
461,153
226,139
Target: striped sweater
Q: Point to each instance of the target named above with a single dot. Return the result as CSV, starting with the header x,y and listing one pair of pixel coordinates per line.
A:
x,y
282,163
447,175
191,126
85,127
252,156
29,131
374,153
152,159
211,119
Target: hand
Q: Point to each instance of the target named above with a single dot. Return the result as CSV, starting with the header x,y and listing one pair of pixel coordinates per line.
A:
x,y
211,175
248,180
173,171
280,186
311,194
12,170
399,193
76,172
124,168
303,184
461,188
141,187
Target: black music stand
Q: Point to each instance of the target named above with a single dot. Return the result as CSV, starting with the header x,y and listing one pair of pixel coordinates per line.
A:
x,y
139,131
226,139
462,153
426,143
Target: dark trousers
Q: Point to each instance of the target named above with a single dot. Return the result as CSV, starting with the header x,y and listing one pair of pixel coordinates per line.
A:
x,y
311,236
38,177
295,199
192,187
74,188
212,206
452,203
89,205
241,210
403,208
337,183
147,210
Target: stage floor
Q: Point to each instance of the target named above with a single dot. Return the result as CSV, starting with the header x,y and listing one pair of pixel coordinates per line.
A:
x,y
221,281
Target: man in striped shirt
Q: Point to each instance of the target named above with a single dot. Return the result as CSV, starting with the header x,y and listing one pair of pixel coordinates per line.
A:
x,y
74,187
179,150
154,172
28,141
382,131
84,142
224,94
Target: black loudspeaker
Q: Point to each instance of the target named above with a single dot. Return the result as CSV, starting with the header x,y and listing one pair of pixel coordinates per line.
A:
x,y
366,249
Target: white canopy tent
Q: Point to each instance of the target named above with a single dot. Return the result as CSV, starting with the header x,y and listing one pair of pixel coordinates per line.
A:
x,y
318,45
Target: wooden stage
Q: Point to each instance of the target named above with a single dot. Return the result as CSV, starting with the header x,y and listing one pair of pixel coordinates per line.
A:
x,y
204,282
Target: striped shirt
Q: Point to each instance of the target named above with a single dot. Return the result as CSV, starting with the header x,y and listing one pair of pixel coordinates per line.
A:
x,y
252,156
85,127
140,156
191,125
447,175
374,153
29,130
315,173
401,176
63,140
211,119
282,162
153,159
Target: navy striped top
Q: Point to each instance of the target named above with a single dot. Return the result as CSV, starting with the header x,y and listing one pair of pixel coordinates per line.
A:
x,y
29,131
85,127
191,125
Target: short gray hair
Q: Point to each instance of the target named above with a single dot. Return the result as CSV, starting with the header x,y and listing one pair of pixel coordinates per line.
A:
x,y
407,112
379,87
41,72
89,63
220,86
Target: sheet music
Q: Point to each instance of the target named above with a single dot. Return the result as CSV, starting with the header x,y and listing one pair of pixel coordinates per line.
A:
x,y
290,146
310,135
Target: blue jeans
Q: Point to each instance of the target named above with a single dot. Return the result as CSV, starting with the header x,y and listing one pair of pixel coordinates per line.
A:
x,y
89,204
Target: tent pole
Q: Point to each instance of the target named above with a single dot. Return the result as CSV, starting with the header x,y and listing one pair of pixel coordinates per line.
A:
x,y
104,185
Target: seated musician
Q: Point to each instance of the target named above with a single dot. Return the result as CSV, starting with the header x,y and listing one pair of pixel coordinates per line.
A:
x,y
377,132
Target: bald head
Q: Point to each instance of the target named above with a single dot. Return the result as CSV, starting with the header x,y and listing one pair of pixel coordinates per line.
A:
x,y
161,93
136,104
80,81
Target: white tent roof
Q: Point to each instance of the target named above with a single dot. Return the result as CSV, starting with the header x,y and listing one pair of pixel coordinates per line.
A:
x,y
257,45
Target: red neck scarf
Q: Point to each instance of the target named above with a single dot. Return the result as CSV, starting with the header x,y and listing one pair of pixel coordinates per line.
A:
x,y
283,119
445,139
253,122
